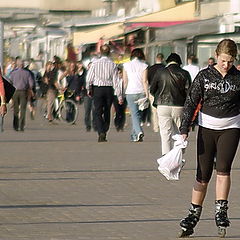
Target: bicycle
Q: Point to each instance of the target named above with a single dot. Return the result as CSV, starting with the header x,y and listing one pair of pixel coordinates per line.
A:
x,y
65,109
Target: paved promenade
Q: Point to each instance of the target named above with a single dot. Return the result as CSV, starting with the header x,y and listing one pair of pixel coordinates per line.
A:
x,y
58,183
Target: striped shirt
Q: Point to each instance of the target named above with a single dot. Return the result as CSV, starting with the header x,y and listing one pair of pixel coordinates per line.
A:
x,y
103,73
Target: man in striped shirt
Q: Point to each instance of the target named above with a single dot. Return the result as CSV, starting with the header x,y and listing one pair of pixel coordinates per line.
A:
x,y
102,80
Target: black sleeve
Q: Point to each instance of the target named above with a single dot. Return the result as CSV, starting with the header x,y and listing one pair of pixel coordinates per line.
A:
x,y
80,85
150,75
154,85
194,97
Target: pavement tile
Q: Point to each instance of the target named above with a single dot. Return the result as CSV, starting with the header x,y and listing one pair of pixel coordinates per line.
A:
x,y
58,183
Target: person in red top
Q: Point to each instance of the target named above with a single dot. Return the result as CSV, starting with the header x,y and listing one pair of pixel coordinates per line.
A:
x,y
3,107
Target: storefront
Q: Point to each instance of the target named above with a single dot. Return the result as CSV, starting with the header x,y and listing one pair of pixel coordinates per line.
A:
x,y
157,25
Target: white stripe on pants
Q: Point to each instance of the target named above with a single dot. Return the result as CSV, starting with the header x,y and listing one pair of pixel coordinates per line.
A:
x,y
169,120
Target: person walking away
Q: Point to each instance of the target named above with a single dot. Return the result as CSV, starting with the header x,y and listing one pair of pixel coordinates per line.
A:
x,y
170,86
89,114
32,68
23,82
120,115
136,87
217,88
193,69
102,77
10,67
192,66
50,79
151,72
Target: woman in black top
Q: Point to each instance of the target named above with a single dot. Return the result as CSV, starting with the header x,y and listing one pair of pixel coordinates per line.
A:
x,y
217,89
74,81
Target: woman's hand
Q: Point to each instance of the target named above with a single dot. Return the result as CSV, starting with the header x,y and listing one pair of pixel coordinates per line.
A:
x,y
3,109
184,136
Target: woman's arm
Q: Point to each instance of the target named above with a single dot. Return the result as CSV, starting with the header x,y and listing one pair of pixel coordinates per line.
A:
x,y
145,82
3,108
125,80
154,88
194,97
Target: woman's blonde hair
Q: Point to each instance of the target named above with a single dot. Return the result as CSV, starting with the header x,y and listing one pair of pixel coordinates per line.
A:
x,y
228,47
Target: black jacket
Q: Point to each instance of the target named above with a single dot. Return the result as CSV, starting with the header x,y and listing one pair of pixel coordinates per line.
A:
x,y
75,83
152,70
170,86
219,96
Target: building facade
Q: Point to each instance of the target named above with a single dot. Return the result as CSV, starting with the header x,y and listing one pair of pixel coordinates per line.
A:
x,y
183,26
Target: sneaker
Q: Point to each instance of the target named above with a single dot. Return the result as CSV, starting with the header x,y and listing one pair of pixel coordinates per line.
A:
x,y
140,137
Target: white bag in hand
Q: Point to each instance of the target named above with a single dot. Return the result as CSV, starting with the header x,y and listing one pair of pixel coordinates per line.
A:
x,y
171,163
143,103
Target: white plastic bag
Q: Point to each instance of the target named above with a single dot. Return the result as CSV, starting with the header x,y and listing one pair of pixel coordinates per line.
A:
x,y
143,103
171,163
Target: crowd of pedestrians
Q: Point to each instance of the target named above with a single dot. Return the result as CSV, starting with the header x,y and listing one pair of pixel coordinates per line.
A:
x,y
106,89
169,92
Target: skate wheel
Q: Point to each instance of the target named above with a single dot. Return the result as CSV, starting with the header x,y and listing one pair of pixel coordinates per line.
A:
x,y
185,233
221,232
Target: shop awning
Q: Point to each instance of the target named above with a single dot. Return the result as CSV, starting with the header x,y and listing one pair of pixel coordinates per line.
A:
x,y
183,12
133,25
196,28
93,36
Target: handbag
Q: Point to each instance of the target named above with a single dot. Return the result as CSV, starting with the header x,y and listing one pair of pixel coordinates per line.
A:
x,y
9,89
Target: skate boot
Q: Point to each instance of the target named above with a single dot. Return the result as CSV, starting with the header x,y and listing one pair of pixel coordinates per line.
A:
x,y
187,224
221,217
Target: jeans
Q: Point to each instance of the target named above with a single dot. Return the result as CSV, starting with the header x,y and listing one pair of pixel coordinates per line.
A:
x,y
135,114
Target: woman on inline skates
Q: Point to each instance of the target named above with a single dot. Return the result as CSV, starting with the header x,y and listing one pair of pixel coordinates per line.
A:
x,y
217,88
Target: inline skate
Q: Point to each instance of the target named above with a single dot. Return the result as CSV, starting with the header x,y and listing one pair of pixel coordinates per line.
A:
x,y
221,217
187,224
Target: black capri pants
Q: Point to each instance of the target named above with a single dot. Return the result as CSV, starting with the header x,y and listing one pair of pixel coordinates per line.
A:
x,y
221,144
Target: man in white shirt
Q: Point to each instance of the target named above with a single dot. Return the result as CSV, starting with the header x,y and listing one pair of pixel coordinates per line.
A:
x,y
192,66
102,80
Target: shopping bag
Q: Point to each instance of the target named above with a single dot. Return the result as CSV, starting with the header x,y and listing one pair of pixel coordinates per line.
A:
x,y
143,103
171,163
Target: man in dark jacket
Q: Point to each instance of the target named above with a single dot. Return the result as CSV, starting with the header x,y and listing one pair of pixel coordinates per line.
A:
x,y
170,86
151,72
